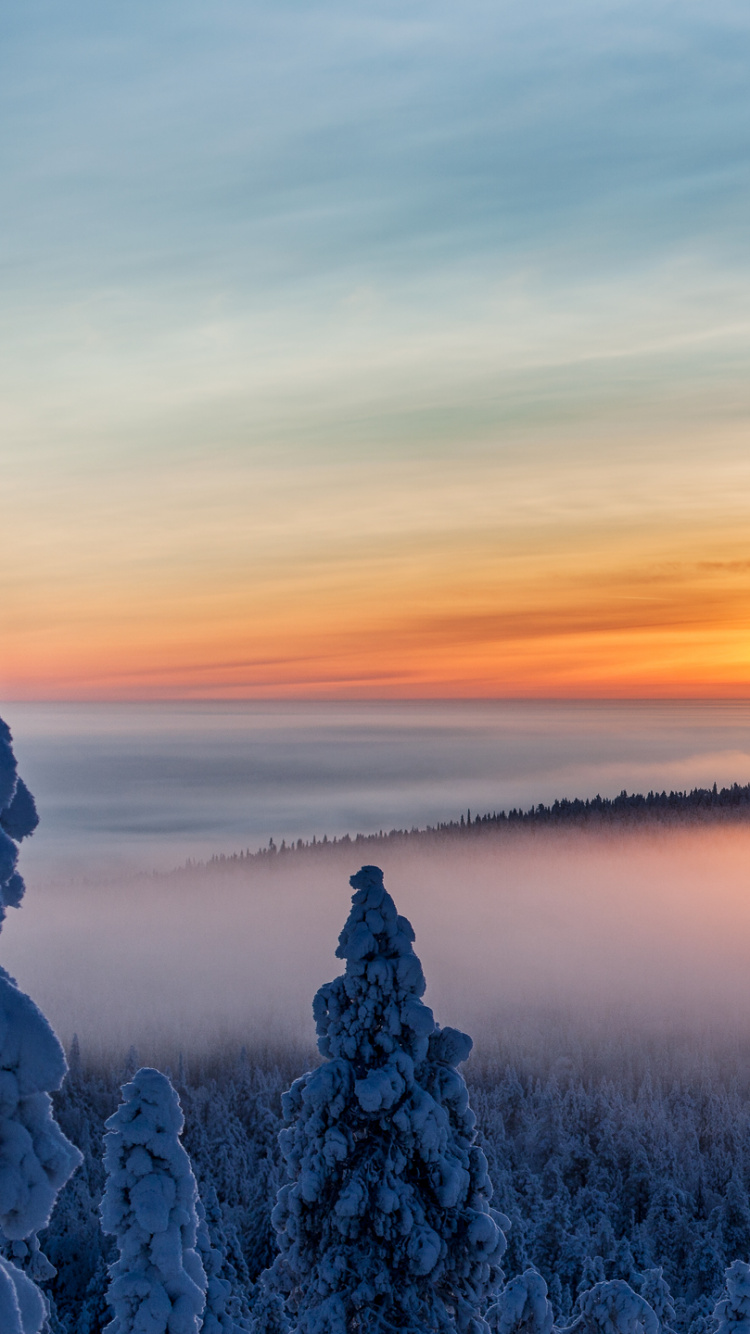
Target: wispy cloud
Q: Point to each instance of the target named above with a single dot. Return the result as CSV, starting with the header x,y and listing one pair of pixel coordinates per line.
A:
x,y
311,311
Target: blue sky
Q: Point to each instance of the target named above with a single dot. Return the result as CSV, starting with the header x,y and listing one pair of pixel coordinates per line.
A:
x,y
352,249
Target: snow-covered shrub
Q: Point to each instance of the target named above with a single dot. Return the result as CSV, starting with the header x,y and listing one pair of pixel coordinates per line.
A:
x,y
35,1157
522,1307
386,1222
732,1314
158,1284
613,1308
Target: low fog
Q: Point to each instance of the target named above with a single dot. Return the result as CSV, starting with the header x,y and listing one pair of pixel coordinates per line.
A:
x,y
639,931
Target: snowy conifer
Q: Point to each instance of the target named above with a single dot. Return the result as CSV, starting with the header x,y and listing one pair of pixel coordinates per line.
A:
x,y
268,1316
613,1308
158,1284
732,1313
226,1310
655,1290
216,1317
592,1275
522,1307
35,1157
18,819
386,1222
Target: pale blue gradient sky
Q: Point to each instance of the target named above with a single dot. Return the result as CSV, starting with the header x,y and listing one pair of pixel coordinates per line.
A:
x,y
472,282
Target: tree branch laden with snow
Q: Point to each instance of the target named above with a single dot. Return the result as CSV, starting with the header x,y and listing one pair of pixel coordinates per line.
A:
x,y
35,1157
158,1284
386,1222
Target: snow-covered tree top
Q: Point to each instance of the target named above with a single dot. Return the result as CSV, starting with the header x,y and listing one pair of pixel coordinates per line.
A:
x,y
613,1308
150,1112
149,1205
385,1222
522,1307
375,1008
732,1313
18,818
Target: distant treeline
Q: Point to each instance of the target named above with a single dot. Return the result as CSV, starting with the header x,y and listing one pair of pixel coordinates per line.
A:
x,y
699,806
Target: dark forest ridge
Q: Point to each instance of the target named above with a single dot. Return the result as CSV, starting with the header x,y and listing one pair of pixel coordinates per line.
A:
x,y
697,807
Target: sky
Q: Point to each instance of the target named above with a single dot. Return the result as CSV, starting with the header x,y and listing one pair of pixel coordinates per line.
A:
x,y
385,350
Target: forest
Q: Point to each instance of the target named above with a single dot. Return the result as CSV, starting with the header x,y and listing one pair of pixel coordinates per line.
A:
x,y
370,1186
608,1173
695,807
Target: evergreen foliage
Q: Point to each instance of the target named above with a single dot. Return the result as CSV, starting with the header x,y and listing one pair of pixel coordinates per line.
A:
x,y
613,1308
732,1314
269,1316
670,1121
522,1307
699,806
386,1222
35,1157
157,1284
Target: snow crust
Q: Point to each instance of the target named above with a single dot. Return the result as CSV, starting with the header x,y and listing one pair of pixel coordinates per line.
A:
x,y
386,1221
158,1284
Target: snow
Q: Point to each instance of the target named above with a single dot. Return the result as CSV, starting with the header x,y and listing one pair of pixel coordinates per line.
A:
x,y
522,1307
158,1284
732,1314
18,818
35,1157
386,1219
22,1308
614,1308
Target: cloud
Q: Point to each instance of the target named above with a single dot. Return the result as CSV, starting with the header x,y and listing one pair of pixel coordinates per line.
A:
x,y
251,249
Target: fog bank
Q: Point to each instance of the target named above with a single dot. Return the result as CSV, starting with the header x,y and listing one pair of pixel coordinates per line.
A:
x,y
644,930
123,787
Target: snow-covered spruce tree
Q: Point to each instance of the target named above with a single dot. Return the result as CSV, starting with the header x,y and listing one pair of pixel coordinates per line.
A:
x,y
522,1307
268,1316
732,1313
216,1317
226,1310
35,1157
613,1308
385,1223
655,1290
158,1284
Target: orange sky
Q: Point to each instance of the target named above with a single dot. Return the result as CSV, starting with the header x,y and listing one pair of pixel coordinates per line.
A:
x,y
404,360
385,579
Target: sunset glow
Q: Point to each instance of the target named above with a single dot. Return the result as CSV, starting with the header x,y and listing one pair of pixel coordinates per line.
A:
x,y
372,372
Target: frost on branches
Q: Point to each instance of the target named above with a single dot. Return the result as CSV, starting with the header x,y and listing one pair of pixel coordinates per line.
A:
x,y
522,1307
35,1157
732,1314
18,819
386,1223
158,1284
613,1308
